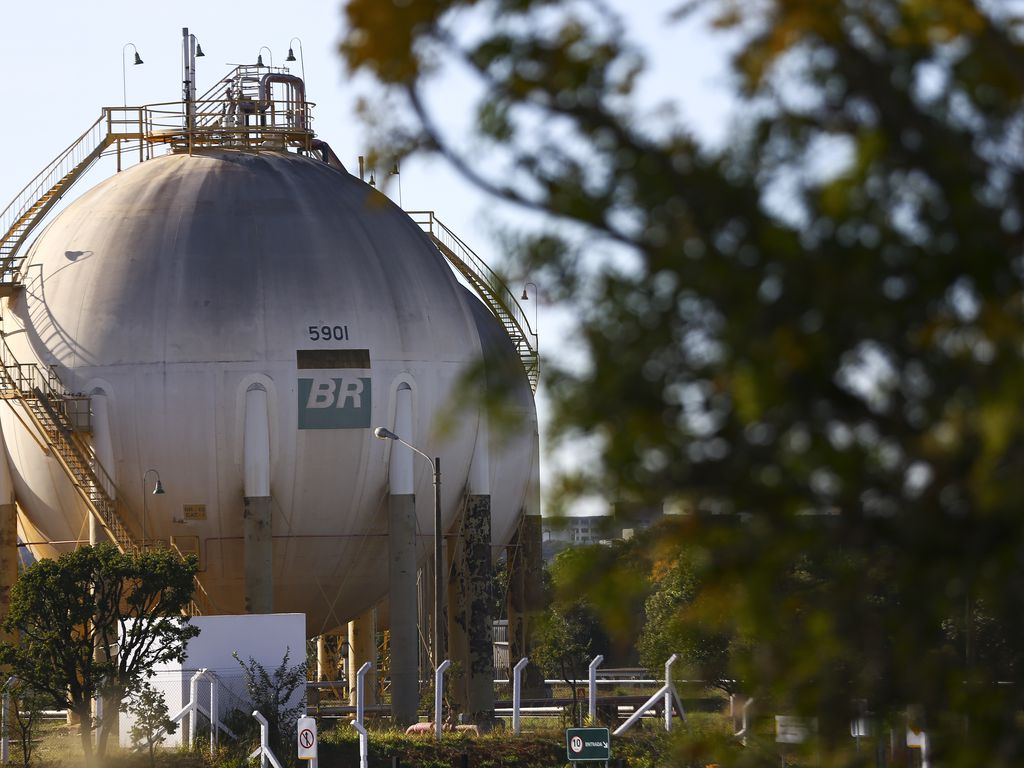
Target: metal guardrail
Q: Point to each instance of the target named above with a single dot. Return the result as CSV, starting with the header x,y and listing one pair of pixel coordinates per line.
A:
x,y
494,292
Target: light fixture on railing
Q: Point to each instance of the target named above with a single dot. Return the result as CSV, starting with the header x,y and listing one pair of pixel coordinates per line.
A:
x,y
259,57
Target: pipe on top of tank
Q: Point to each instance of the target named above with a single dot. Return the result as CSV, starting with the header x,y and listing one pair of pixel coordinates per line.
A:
x,y
297,104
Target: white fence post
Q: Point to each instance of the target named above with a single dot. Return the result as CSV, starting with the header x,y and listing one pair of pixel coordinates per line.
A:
x,y
439,696
264,748
364,738
668,691
592,687
517,693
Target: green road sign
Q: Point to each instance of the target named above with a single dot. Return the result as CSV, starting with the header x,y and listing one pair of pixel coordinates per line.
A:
x,y
588,744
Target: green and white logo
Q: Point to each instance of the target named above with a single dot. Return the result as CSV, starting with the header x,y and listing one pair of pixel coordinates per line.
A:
x,y
331,402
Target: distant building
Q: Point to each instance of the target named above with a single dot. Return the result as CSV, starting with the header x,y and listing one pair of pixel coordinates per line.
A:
x,y
622,524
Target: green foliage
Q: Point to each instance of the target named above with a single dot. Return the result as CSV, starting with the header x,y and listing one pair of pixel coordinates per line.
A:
x,y
676,622
273,695
568,637
813,329
26,706
94,622
152,724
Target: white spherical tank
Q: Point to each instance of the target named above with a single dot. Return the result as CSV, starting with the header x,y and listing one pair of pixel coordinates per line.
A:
x,y
171,291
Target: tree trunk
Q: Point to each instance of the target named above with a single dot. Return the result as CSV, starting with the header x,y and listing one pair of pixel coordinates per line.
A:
x,y
85,723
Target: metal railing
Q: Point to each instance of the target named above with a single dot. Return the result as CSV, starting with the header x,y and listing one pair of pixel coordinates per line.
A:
x,y
494,292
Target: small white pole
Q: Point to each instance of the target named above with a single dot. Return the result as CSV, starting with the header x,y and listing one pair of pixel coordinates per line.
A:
x,y
668,691
439,696
517,693
193,702
592,687
364,737
214,715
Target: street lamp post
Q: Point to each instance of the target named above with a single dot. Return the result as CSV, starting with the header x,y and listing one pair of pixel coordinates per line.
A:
x,y
386,434
158,489
291,56
536,302
124,75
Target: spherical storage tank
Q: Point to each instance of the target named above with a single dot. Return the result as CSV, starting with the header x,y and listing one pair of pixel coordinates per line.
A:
x,y
173,291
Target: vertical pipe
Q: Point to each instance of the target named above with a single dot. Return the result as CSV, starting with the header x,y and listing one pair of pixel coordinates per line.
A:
x,y
438,567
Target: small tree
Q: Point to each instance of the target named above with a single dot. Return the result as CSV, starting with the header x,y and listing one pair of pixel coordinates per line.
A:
x,y
565,643
93,623
26,705
272,695
152,724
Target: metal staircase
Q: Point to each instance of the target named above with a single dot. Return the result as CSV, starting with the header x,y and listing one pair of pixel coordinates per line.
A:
x,y
52,411
488,286
57,420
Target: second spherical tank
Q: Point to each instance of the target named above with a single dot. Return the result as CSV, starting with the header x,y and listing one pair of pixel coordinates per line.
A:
x,y
171,290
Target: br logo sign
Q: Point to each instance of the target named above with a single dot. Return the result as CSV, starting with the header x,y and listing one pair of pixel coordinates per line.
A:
x,y
334,402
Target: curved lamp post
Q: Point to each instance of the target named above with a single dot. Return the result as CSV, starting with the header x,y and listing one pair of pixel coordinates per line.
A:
x,y
124,75
259,57
291,56
383,433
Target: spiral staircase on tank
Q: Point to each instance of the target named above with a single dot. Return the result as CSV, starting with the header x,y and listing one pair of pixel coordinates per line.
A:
x,y
56,418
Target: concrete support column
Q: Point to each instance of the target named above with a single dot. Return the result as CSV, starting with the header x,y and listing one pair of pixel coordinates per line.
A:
x,y
362,647
470,592
257,520
458,629
404,667
478,575
402,603
526,599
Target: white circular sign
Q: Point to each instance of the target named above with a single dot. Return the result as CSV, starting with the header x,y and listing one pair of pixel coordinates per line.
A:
x,y
576,744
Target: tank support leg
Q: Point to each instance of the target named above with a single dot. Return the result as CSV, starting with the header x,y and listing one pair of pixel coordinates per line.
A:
x,y
258,523
404,661
402,598
362,647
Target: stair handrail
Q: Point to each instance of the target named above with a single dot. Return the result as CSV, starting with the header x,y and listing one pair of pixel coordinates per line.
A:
x,y
32,191
55,393
495,292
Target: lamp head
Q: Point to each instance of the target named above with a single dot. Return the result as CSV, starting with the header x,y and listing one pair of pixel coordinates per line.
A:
x,y
259,60
138,59
158,489
199,50
383,433
524,297
291,55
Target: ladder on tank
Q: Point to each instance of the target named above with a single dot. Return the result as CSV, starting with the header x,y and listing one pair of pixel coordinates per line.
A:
x,y
52,423
488,286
